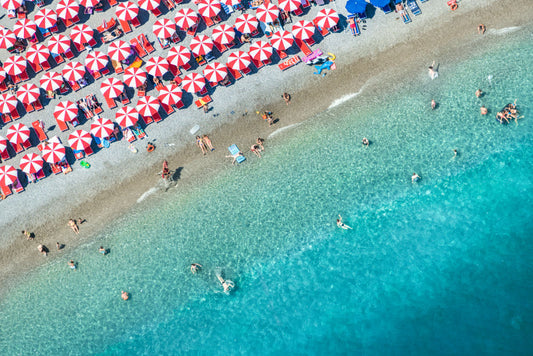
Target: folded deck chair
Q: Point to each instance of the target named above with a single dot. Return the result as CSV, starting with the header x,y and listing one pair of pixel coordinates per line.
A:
x,y
234,150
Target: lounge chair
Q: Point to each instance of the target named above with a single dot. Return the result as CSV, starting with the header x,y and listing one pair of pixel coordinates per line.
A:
x,y
413,6
6,191
41,135
234,151
289,62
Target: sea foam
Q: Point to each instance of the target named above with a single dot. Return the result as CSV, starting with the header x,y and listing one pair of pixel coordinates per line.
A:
x,y
146,194
503,31
345,98
283,129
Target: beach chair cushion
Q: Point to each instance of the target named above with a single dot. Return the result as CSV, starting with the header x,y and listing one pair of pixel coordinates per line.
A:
x,y
234,150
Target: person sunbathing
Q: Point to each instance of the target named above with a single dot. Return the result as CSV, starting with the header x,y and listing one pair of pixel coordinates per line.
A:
x,y
201,144
235,156
341,224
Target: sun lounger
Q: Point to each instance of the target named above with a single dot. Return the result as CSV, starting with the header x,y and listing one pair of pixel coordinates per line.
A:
x,y
129,135
15,114
112,3
56,169
117,66
46,65
17,186
192,30
405,16
40,175
235,73
6,118
157,118
354,26
28,107
180,104
289,62
387,9
125,26
163,46
78,154
58,59
37,105
18,147
221,48
3,87
138,48
135,22
174,70
41,135
202,101
303,47
26,144
145,43
168,108
125,100
141,93
323,31
6,191
111,103
156,12
5,154
147,120
413,6
234,151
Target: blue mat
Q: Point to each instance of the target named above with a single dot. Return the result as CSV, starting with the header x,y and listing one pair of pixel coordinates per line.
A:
x,y
233,149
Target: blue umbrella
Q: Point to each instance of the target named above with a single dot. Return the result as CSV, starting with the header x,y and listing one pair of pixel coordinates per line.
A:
x,y
356,6
380,3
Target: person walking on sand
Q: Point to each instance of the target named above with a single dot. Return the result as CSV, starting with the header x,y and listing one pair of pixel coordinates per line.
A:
x,y
208,143
73,226
195,267
255,149
341,224
165,173
287,98
433,104
260,142
201,144
481,29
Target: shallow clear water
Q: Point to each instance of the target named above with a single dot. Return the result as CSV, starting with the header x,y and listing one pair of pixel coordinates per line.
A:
x,y
443,266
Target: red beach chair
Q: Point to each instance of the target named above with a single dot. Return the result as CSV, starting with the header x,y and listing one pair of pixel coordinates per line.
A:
x,y
111,103
157,118
6,190
62,125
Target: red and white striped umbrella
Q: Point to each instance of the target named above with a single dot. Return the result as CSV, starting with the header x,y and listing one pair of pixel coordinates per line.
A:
x,y
239,60
231,2
246,23
289,5
186,18
3,144
164,28
261,50
223,34
51,81
215,72
193,82
209,8
79,140
28,93
8,175
111,87
81,34
170,94
11,4
201,45
134,77
267,13
67,9
18,133
53,152
8,103
119,50
59,44
24,28
66,111
89,3
96,60
31,163
102,127
45,18
126,116
127,11
327,18
147,105
7,38
37,54
157,66
178,55
303,29
73,71
148,5
15,65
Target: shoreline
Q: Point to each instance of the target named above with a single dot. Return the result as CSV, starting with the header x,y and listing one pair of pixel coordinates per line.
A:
x,y
104,207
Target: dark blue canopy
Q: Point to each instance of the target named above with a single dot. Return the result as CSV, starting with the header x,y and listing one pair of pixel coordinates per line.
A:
x,y
380,3
356,6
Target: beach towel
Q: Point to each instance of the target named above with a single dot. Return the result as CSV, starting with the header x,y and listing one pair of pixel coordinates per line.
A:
x,y
234,150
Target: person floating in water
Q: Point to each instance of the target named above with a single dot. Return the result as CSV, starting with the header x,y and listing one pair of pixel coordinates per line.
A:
x,y
125,295
341,224
483,110
415,178
195,267
479,93
366,142
226,283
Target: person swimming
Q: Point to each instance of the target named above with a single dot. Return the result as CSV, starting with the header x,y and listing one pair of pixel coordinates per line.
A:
x,y
341,224
226,283
415,178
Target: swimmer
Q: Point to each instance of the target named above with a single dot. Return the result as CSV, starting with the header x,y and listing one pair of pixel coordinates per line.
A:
x,y
415,178
125,295
226,284
195,267
366,142
455,153
479,93
432,71
341,224
433,104
483,110
72,264
102,250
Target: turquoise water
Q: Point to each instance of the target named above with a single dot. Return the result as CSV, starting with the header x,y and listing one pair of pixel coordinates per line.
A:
x,y
441,267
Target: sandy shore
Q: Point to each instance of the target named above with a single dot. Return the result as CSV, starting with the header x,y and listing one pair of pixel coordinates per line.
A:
x,y
388,51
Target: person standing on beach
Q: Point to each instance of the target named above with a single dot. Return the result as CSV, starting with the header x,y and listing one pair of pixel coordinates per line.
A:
x,y
287,98
208,143
29,235
201,144
481,29
73,226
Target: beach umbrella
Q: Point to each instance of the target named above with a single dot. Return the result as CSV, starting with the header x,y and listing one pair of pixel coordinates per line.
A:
x,y
223,34
79,140
96,60
8,175
73,71
45,18
261,50
164,28
11,4
24,28
111,87
53,152
379,3
327,18
157,66
18,133
134,77
67,9
38,53
126,116
59,44
102,127
28,93
126,11
170,94
215,72
119,50
8,103
201,45
3,144
66,111
289,5
89,3
231,2
31,163
81,34
356,6
7,38
239,60
15,65
209,8
51,81
267,12
148,5
246,23
147,105
186,18
178,56
193,82
303,29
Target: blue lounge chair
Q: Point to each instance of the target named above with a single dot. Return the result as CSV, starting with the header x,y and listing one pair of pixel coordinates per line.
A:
x,y
405,16
413,6
234,150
